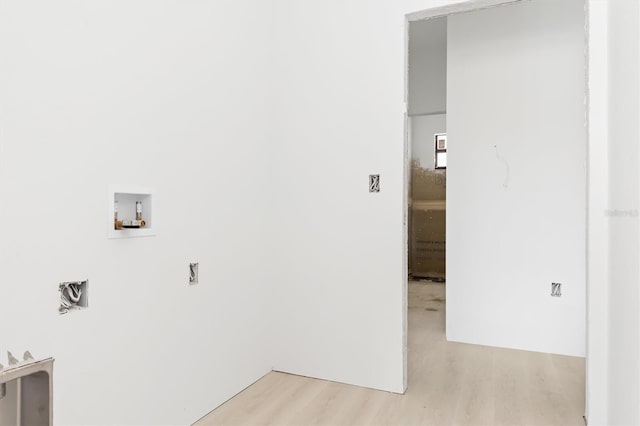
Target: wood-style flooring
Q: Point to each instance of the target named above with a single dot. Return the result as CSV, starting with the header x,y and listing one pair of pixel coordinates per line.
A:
x,y
449,384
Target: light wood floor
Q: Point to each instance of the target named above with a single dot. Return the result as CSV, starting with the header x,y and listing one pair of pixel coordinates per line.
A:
x,y
449,384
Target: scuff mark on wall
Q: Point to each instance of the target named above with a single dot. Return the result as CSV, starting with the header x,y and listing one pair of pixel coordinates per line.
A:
x,y
507,177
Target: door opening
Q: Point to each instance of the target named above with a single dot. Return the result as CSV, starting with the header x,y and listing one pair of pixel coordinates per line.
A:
x,y
428,127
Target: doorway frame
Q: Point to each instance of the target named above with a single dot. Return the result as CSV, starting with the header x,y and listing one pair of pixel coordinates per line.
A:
x,y
596,171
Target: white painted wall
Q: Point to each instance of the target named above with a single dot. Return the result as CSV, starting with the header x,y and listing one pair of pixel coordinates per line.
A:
x,y
341,281
624,203
516,213
597,363
165,94
428,66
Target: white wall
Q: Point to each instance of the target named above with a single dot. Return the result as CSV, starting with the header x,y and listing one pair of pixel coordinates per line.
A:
x,y
624,198
428,66
516,213
597,365
341,284
170,95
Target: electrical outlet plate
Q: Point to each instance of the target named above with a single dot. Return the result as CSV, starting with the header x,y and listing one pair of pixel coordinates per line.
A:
x,y
193,273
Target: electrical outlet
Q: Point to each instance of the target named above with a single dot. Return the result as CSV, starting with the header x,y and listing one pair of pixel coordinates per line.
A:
x,y
193,273
556,289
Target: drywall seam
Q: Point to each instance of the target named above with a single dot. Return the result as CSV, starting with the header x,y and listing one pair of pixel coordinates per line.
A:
x,y
507,173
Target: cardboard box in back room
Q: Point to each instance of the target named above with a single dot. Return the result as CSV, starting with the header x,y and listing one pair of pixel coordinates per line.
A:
x,y
427,242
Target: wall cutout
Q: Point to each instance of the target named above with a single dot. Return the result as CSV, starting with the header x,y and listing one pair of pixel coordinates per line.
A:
x,y
130,212
556,289
374,183
193,273
73,296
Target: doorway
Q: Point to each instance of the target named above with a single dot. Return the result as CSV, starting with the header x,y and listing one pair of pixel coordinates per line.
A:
x,y
428,145
427,125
